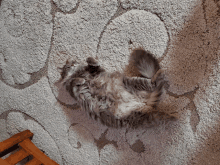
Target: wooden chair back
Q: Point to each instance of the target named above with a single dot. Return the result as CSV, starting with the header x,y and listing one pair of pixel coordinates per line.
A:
x,y
22,141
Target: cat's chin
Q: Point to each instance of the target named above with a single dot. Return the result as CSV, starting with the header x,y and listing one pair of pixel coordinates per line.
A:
x,y
63,95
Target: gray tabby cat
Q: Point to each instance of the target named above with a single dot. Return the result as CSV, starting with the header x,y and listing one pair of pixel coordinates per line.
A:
x,y
113,98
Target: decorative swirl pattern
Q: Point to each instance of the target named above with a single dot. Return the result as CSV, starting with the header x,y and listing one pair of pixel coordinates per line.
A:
x,y
135,28
25,34
14,19
77,35
81,139
17,123
183,34
66,5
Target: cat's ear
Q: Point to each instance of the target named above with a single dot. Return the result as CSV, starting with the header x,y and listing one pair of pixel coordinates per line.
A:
x,y
93,66
92,62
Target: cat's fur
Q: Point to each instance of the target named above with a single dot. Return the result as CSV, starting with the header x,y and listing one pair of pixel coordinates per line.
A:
x,y
113,98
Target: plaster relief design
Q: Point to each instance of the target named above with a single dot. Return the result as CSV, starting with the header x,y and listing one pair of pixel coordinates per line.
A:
x,y
183,35
207,102
133,29
108,153
173,13
128,152
138,146
173,105
4,133
38,102
82,140
66,5
3,130
187,35
77,36
207,96
187,55
80,117
25,35
163,139
16,123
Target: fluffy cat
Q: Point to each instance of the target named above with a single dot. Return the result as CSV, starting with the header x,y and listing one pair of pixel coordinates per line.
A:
x,y
115,99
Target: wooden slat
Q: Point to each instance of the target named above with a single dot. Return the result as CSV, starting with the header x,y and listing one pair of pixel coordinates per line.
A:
x,y
3,162
17,156
33,150
15,139
34,161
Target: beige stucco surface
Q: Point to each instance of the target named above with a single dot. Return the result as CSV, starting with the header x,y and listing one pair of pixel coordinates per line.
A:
x,y
36,37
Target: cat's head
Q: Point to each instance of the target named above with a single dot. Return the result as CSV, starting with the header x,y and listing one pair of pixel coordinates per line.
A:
x,y
74,69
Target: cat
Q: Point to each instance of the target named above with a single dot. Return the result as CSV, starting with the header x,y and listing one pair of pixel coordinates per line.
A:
x,y
115,99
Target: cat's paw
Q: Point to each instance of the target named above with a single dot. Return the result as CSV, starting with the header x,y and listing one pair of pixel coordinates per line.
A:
x,y
78,81
158,76
68,70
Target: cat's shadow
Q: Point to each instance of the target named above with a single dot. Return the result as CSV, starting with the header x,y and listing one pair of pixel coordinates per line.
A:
x,y
63,95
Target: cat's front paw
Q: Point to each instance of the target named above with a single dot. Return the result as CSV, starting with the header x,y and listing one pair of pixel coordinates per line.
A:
x,y
78,81
158,76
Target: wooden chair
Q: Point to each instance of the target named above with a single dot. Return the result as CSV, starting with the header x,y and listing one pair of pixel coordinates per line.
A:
x,y
26,148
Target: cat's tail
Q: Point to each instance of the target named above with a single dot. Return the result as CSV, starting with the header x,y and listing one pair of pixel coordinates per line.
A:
x,y
149,67
145,62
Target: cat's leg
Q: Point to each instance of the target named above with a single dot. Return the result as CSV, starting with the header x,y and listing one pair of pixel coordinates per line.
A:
x,y
145,84
78,81
149,67
135,84
143,88
158,78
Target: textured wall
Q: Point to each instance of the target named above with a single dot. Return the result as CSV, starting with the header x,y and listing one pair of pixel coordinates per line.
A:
x,y
37,36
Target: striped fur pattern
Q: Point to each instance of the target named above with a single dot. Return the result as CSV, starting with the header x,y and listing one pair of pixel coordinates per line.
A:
x,y
113,98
